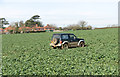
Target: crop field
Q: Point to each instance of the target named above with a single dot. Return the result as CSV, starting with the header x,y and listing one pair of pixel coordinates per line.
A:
x,y
30,54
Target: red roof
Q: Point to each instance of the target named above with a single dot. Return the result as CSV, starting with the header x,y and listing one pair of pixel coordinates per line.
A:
x,y
39,27
24,27
9,28
21,27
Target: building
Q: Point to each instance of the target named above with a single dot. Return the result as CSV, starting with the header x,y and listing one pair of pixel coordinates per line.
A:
x,y
1,30
27,29
48,28
45,28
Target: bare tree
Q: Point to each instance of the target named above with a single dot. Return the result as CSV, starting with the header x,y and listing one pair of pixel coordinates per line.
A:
x,y
21,23
82,24
54,26
72,27
12,23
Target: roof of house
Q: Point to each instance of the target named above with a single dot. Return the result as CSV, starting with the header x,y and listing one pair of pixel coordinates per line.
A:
x,y
39,27
24,27
9,28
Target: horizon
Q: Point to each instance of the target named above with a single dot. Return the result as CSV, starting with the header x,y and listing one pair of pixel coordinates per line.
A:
x,y
62,13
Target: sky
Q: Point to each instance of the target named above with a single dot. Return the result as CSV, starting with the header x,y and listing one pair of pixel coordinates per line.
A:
x,y
97,13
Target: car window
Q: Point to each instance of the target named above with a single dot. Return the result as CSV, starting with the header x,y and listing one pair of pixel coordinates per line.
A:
x,y
64,36
72,36
56,36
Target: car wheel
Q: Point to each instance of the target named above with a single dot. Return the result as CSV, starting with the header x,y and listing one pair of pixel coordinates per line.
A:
x,y
82,44
65,46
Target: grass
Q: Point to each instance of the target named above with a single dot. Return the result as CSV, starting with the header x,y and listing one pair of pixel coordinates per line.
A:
x,y
28,54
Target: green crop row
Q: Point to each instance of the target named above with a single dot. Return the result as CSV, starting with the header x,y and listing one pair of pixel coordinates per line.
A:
x,y
30,54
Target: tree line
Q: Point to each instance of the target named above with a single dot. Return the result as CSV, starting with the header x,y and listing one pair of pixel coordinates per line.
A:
x,y
82,25
29,23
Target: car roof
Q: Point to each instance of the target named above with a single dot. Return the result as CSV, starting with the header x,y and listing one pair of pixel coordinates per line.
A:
x,y
62,33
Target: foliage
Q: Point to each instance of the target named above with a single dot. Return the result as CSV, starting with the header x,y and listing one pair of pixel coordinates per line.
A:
x,y
16,29
77,27
11,31
23,29
16,24
60,28
35,17
21,23
3,22
30,54
33,21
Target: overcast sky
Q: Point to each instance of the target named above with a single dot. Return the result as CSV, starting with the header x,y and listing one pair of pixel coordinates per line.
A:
x,y
98,13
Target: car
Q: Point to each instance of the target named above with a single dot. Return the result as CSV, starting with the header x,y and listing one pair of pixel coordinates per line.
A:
x,y
66,40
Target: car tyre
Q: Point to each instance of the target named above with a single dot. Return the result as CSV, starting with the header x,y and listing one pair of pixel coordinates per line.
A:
x,y
65,46
82,44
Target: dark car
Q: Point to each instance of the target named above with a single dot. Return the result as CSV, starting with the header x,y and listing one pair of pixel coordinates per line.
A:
x,y
66,40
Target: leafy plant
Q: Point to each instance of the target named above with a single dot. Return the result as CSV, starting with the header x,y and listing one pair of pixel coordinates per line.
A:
x,y
30,54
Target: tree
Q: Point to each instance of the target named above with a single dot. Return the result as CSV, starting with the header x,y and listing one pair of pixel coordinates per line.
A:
x,y
21,23
16,24
54,26
12,24
72,27
3,22
89,27
33,21
82,24
76,27
16,29
29,23
60,28
35,17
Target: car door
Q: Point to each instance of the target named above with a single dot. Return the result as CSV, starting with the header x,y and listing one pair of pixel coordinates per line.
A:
x,y
65,37
73,40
